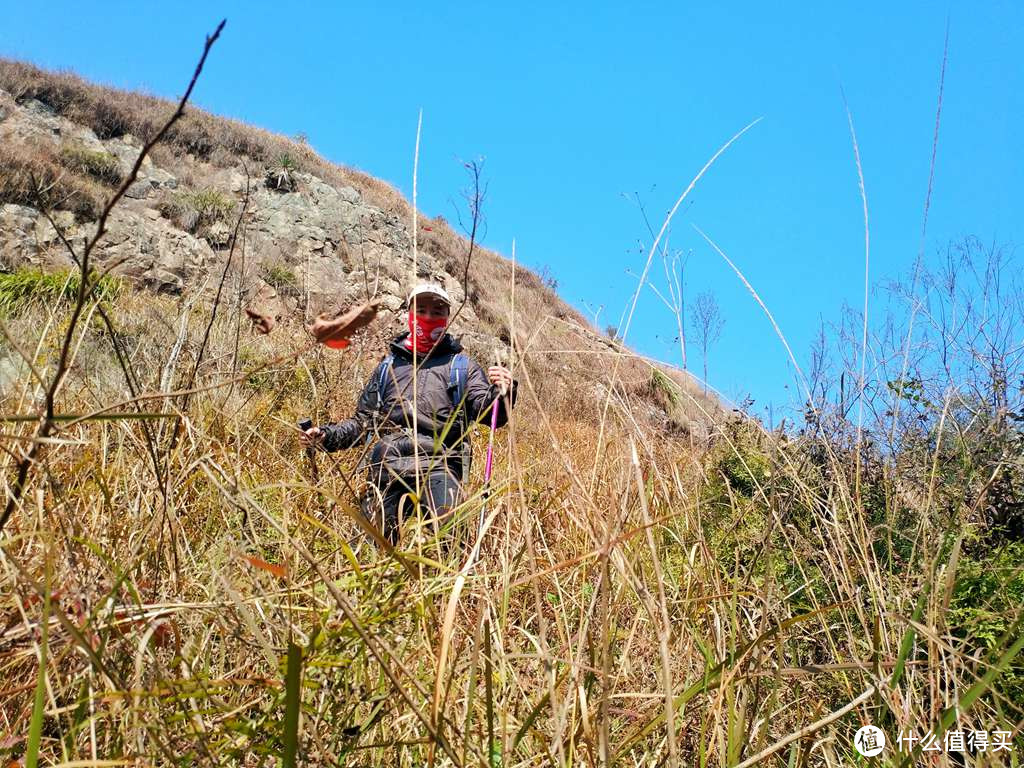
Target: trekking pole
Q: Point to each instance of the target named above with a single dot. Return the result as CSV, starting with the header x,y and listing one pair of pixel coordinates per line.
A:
x,y
310,452
314,473
489,463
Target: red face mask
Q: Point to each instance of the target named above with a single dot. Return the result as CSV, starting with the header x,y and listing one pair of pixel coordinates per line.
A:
x,y
426,331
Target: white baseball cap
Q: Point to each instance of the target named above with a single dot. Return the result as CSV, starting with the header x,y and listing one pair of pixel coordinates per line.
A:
x,y
429,289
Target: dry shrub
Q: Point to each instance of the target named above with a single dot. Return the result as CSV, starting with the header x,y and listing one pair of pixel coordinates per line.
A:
x,y
102,166
196,210
34,176
67,94
112,113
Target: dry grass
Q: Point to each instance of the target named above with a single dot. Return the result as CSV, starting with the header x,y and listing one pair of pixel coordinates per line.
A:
x,y
177,591
172,605
35,176
198,136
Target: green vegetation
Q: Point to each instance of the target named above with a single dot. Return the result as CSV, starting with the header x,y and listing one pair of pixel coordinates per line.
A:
x,y
988,593
281,175
210,205
196,210
674,399
664,388
27,286
102,166
281,278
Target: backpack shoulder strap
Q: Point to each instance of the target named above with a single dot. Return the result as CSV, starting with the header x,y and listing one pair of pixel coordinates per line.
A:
x,y
382,378
457,374
457,378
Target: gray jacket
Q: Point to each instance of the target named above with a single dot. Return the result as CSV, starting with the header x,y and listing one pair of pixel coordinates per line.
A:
x,y
438,425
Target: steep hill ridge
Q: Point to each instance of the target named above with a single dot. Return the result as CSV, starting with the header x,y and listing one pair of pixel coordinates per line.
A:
x,y
182,584
314,236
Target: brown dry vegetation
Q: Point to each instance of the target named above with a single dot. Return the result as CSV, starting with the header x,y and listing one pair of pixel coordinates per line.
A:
x,y
752,582
34,176
198,136
547,326
177,591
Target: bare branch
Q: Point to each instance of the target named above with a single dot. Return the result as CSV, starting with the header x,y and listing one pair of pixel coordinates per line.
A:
x,y
86,289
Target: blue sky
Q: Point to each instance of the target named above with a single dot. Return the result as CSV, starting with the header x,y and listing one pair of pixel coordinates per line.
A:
x,y
576,108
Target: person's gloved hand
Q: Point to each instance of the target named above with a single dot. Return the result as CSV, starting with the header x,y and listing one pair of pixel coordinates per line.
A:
x,y
501,377
311,436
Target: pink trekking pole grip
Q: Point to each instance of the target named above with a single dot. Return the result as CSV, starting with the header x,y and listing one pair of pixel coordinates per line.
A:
x,y
490,441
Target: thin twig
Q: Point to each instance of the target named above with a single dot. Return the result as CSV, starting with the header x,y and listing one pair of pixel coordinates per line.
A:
x,y
85,290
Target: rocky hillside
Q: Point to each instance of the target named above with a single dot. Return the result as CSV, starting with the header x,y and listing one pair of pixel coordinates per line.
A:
x,y
182,584
313,236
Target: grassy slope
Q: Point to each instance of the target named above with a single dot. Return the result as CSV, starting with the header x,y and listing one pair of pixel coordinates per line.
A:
x,y
757,587
552,337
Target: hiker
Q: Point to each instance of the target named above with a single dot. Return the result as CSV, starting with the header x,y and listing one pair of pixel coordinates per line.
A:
x,y
452,393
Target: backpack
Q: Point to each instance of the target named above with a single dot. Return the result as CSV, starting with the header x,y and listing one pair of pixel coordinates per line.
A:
x,y
457,374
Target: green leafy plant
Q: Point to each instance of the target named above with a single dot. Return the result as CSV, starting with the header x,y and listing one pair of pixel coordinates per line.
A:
x,y
26,286
195,210
987,595
102,166
281,176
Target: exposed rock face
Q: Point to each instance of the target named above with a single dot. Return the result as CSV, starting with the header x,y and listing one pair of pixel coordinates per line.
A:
x,y
153,252
27,237
314,244
324,242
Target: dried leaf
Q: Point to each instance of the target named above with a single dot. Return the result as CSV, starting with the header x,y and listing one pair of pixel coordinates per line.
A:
x,y
336,331
277,570
263,323
10,742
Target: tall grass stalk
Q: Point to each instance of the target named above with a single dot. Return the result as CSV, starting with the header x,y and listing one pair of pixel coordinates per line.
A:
x,y
711,595
635,598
